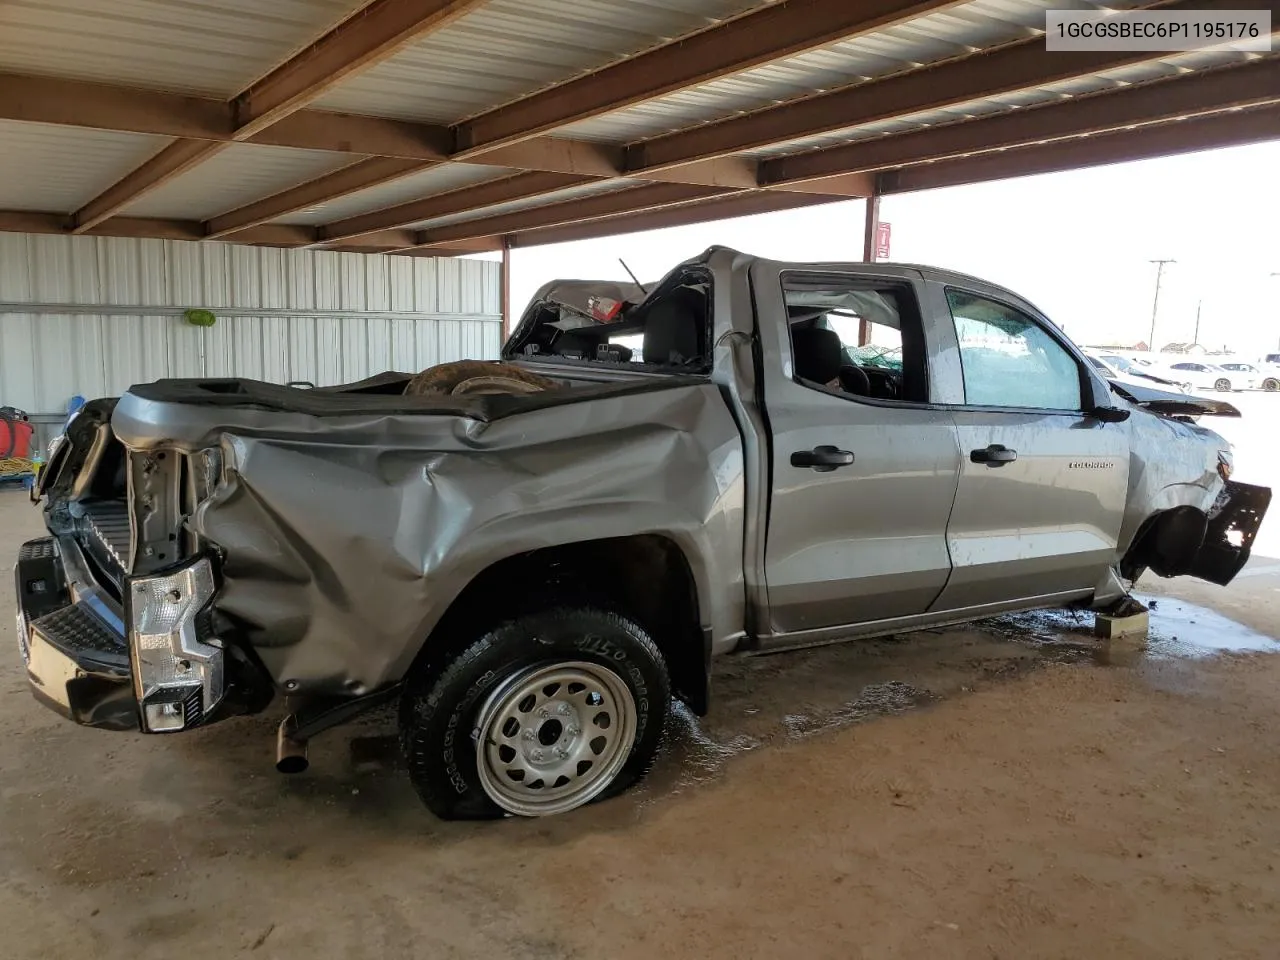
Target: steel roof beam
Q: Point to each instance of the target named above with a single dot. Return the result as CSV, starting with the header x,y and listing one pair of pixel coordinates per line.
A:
x,y
1251,83
646,197
735,205
774,32
154,228
1206,132
522,186
361,175
1013,67
365,38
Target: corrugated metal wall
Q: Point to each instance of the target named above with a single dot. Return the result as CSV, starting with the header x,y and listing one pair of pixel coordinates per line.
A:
x,y
384,313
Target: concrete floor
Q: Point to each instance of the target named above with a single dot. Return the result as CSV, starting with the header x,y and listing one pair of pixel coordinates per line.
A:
x,y
994,791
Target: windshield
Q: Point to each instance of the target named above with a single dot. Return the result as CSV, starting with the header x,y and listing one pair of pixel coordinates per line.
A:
x,y
1120,363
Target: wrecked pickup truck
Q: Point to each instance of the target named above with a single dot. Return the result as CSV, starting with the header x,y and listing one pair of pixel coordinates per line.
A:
x,y
531,556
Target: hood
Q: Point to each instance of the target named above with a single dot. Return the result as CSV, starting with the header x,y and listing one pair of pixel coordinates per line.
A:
x,y
1173,404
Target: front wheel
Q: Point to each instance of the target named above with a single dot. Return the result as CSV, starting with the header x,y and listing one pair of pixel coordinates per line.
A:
x,y
1271,384
538,716
1222,386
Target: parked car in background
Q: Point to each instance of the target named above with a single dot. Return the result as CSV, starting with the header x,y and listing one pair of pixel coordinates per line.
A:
x,y
1269,370
1118,369
1244,376
1197,375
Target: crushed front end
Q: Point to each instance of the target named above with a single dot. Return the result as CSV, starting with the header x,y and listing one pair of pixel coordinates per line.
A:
x,y
115,622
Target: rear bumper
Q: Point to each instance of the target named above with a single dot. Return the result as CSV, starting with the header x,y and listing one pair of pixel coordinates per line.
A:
x,y
1234,520
72,639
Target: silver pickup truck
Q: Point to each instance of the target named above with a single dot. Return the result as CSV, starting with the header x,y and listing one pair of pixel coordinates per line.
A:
x,y
532,556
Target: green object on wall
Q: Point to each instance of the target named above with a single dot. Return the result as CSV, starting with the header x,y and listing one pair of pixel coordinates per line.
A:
x,y
200,318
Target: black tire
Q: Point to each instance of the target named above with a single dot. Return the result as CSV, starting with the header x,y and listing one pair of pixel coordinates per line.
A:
x,y
1271,384
440,708
1222,385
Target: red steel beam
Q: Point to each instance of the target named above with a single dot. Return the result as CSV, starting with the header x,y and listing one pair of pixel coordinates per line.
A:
x,y
743,204
267,234
1013,67
647,197
522,186
775,32
360,175
1206,132
1251,83
367,37
364,39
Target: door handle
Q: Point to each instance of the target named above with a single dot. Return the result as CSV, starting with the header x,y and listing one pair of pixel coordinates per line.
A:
x,y
996,455
824,459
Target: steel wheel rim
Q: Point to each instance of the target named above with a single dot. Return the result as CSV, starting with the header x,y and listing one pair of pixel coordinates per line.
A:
x,y
552,737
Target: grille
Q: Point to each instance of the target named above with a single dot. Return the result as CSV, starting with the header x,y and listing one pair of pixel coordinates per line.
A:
x,y
76,631
108,523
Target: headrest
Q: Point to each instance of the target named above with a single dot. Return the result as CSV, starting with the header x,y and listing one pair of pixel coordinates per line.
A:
x,y
818,353
674,328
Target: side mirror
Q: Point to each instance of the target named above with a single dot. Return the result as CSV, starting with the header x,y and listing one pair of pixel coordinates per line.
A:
x,y
1110,414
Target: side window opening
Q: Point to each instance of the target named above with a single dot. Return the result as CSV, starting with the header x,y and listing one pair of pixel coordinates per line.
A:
x,y
1009,360
856,338
670,329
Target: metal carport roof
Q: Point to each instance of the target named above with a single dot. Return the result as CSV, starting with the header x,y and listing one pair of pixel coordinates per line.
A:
x,y
452,126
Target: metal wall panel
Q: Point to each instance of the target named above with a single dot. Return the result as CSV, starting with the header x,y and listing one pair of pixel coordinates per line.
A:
x,y
66,326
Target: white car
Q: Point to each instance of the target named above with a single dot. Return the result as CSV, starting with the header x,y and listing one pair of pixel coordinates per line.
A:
x,y
1244,376
1269,371
1120,369
1198,375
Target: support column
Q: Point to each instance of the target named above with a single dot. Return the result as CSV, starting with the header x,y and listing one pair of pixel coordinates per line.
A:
x,y
869,255
505,291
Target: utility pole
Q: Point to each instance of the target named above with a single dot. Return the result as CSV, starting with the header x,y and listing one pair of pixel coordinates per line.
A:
x,y
1196,338
1155,303
1274,274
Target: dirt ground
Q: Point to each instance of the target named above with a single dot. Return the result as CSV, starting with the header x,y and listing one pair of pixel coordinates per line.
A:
x,y
1001,791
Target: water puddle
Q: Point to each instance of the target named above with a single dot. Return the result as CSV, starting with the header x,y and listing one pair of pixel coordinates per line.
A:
x,y
789,697
1177,629
1180,629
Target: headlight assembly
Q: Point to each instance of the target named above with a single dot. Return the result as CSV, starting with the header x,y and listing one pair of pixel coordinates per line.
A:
x,y
177,663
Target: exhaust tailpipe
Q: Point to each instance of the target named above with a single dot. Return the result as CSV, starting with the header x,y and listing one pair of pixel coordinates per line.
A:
x,y
291,753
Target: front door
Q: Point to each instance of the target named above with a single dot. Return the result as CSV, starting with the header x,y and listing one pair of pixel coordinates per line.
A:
x,y
864,470
1042,484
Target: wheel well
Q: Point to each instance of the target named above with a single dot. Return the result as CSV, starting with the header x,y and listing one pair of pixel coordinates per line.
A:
x,y
646,577
1167,543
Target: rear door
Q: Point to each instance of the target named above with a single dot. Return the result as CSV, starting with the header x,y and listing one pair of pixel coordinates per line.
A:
x,y
1042,483
861,485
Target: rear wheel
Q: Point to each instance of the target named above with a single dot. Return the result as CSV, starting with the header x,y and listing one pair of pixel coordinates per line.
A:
x,y
1222,385
538,716
1271,384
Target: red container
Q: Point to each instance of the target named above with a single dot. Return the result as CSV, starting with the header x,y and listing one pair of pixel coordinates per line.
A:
x,y
15,439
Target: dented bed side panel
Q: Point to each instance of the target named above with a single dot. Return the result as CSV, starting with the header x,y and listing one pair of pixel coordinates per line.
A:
x,y
346,538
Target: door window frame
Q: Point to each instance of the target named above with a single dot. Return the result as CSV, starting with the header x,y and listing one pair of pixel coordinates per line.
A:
x,y
1046,326
872,282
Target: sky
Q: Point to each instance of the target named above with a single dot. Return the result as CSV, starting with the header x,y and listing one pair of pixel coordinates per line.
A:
x,y
1076,244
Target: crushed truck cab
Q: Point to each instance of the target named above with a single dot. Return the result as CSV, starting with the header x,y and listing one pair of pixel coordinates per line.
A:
x,y
533,555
